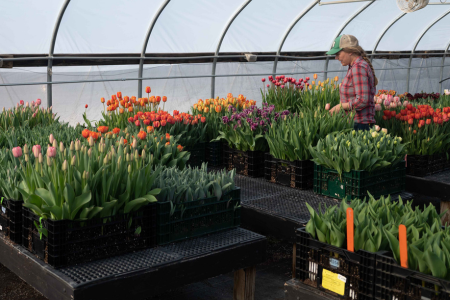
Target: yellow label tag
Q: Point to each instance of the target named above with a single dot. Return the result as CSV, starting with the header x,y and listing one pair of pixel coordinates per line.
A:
x,y
333,282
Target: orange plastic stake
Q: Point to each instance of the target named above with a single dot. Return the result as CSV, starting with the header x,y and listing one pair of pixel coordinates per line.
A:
x,y
350,243
403,246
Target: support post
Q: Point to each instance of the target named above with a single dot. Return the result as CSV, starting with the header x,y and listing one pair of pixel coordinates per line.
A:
x,y
294,260
244,284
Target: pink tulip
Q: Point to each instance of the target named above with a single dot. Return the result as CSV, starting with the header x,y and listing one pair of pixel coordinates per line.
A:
x,y
389,97
51,138
17,151
27,104
32,103
268,85
405,103
36,150
377,107
307,78
375,98
21,102
282,86
397,99
51,151
263,80
393,105
384,130
377,128
327,106
387,102
38,101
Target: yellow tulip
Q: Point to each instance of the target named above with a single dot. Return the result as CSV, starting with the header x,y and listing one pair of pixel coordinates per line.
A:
x,y
336,79
315,76
310,87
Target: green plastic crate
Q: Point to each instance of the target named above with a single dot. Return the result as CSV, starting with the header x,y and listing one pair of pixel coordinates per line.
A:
x,y
198,217
358,184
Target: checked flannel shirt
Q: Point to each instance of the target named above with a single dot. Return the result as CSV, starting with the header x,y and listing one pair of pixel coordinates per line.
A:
x,y
358,89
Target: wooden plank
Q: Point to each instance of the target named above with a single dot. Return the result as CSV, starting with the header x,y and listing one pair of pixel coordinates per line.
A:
x,y
294,259
244,284
295,290
37,275
266,224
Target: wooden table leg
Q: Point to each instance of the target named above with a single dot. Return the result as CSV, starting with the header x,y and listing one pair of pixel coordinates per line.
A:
x,y
244,284
294,261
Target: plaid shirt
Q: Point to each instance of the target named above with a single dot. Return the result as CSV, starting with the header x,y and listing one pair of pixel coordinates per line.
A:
x,y
358,89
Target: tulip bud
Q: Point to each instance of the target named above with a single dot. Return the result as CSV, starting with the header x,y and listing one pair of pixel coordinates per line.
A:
x,y
121,141
84,174
128,157
129,168
377,128
102,140
105,160
61,147
77,145
119,161
55,144
64,165
51,138
143,154
27,157
114,136
384,130
87,175
49,161
100,148
91,141
134,143
41,158
89,152
136,154
72,146
131,157
73,161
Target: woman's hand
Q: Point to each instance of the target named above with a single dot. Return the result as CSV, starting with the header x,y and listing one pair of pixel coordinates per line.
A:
x,y
335,109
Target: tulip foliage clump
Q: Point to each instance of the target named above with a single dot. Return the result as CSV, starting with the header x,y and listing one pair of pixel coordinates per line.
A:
x,y
286,93
26,115
289,138
376,224
358,150
245,130
180,186
425,130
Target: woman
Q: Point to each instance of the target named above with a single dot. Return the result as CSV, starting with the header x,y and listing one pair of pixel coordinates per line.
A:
x,y
358,88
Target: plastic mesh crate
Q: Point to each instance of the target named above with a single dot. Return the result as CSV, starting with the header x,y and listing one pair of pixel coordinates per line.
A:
x,y
11,220
197,157
392,282
294,174
247,163
72,242
214,154
357,184
357,268
198,217
424,165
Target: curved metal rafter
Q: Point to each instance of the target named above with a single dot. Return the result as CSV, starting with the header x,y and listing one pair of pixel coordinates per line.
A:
x,y
408,74
325,74
222,36
144,46
298,18
51,51
384,32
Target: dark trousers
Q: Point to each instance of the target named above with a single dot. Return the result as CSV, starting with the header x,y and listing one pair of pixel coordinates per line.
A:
x,y
359,126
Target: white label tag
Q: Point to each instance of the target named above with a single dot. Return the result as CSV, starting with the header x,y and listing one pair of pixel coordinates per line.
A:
x,y
343,278
4,210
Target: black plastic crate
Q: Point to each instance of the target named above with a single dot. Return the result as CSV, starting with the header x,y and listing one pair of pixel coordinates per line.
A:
x,y
297,174
247,163
424,165
393,282
198,155
214,154
11,220
358,184
73,242
199,217
313,257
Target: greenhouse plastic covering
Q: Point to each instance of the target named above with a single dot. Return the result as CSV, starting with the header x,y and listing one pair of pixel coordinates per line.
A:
x,y
197,26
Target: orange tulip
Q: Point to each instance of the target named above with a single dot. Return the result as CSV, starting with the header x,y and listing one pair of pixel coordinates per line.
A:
x,y
203,119
180,148
336,79
218,108
158,99
102,129
149,129
113,97
108,102
142,135
163,123
164,98
121,110
130,109
85,133
102,100
119,94
125,141
156,124
94,135
116,130
206,110
148,90
315,76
